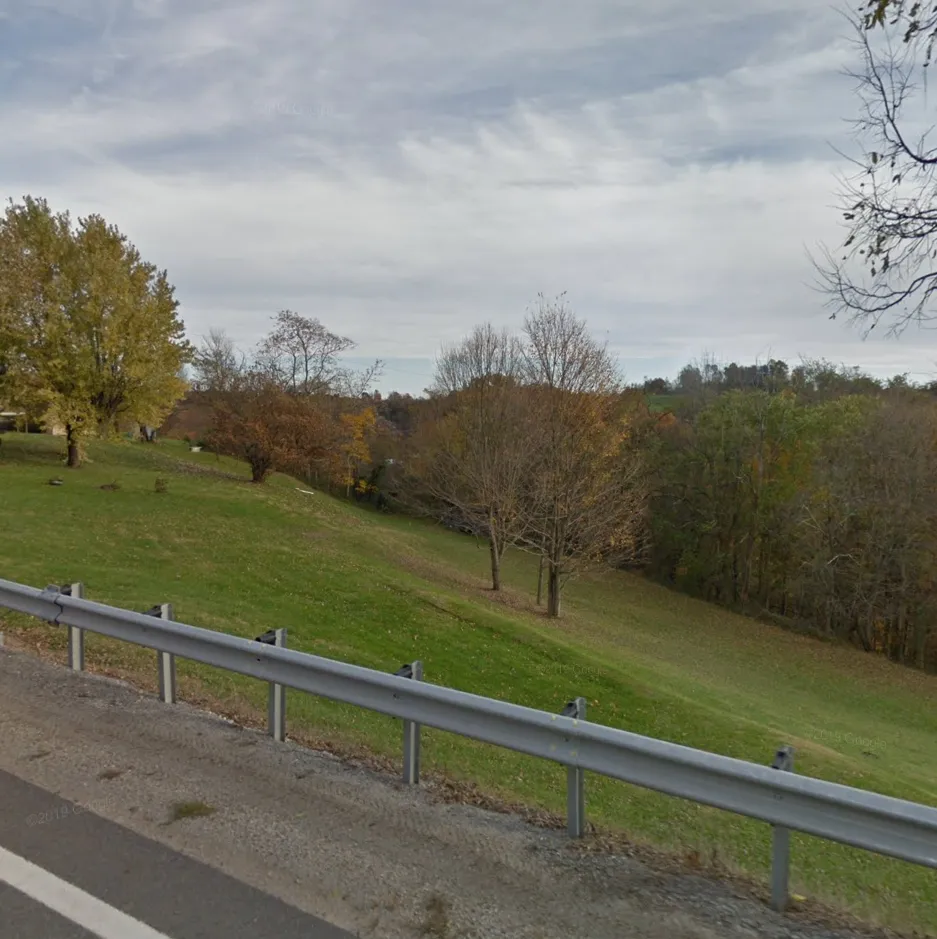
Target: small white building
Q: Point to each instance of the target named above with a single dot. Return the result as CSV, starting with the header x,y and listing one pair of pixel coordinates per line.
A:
x,y
9,419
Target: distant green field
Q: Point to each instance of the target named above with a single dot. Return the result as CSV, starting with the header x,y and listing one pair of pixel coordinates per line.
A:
x,y
379,591
660,403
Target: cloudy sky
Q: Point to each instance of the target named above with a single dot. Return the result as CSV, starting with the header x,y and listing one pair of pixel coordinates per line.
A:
x,y
403,170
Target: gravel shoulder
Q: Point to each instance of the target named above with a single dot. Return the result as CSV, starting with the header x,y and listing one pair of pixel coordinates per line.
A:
x,y
341,841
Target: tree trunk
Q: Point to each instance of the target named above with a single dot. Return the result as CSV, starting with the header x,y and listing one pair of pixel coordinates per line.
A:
x,y
553,563
764,582
920,644
495,560
543,557
71,442
553,590
495,549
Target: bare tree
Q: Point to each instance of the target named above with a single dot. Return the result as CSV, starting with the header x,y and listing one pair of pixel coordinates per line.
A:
x,y
303,357
586,492
471,458
218,363
884,272
357,383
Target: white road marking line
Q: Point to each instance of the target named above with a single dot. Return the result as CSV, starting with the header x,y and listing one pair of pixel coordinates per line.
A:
x,y
71,902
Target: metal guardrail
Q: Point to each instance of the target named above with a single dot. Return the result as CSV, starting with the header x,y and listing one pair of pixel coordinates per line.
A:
x,y
868,820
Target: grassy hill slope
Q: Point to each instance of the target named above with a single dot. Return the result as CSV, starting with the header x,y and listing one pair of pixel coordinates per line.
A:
x,y
378,591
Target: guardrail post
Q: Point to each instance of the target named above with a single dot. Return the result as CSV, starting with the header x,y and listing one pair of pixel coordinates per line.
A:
x,y
575,780
411,731
165,661
276,702
76,636
781,843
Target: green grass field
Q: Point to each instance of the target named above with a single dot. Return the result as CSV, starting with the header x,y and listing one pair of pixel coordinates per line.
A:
x,y
660,403
379,591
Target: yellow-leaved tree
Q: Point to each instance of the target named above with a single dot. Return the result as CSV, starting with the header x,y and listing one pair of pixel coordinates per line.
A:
x,y
90,332
353,450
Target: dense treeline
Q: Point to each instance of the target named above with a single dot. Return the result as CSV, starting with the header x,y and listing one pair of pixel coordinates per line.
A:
x,y
815,501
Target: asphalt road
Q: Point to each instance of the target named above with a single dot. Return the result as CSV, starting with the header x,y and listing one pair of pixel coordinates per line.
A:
x,y
26,917
67,873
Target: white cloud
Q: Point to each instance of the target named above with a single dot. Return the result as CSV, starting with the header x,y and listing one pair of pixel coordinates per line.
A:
x,y
405,171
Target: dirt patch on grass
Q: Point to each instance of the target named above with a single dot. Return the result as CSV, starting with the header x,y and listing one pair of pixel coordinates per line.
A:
x,y
190,468
474,587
